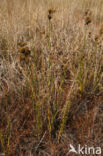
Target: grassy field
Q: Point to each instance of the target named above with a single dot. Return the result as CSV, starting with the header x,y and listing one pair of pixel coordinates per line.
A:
x,y
51,76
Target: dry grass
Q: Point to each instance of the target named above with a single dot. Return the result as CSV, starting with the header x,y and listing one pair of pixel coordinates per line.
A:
x,y
51,76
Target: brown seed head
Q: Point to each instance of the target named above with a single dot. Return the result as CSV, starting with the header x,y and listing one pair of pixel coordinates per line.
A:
x,y
88,17
88,20
49,17
50,13
25,51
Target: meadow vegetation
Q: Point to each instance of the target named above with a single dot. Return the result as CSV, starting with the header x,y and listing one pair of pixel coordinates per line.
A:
x,y
51,76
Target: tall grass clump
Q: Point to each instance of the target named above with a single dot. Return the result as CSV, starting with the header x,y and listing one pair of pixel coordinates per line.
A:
x,y
51,76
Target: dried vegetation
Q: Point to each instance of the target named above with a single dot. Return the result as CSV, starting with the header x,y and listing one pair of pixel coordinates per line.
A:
x,y
51,76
